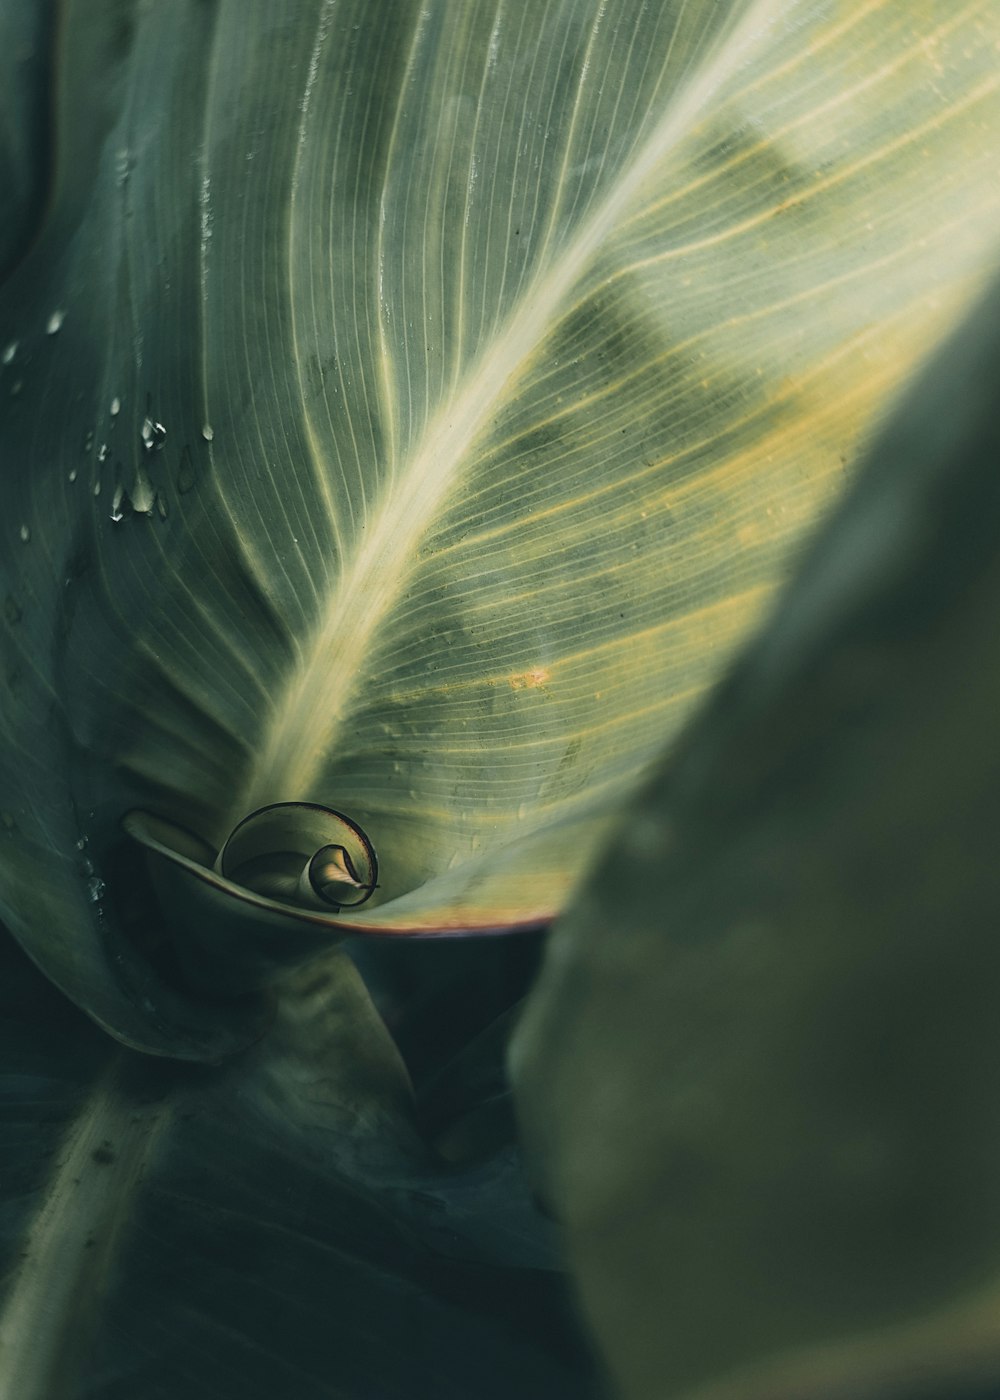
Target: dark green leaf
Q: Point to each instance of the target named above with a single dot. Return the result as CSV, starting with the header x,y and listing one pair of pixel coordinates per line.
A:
x,y
270,1229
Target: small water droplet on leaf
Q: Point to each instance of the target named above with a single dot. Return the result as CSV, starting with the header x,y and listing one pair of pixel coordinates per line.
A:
x,y
186,475
153,434
54,322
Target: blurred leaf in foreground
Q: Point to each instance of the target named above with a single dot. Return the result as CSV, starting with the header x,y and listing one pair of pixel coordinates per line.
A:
x,y
760,1072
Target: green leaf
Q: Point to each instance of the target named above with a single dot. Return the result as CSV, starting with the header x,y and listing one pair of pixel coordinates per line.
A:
x,y
25,39
413,405
759,1071
271,1228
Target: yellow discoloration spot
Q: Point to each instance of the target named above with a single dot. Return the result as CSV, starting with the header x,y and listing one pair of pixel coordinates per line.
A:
x,y
529,680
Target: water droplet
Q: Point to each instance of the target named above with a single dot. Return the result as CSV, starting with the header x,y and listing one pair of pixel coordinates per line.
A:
x,y
72,474
11,609
207,432
16,388
9,351
162,508
54,322
119,504
185,472
153,434
143,496
97,488
81,844
95,889
88,440
102,452
25,533
116,406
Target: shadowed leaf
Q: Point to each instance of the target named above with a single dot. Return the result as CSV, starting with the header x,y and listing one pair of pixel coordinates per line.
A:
x,y
271,1228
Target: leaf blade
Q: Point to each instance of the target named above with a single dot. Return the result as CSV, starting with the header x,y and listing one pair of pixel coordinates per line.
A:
x,y
502,364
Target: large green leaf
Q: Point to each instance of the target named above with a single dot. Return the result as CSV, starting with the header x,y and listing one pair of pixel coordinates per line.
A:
x,y
760,1070
411,407
270,1229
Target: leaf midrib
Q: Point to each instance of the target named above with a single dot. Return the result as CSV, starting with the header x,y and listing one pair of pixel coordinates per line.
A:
x,y
309,715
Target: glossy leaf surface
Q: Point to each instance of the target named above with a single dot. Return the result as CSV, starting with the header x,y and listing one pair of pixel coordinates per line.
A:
x,y
413,405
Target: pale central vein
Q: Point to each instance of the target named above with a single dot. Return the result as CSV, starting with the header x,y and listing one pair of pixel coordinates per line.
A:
x,y
308,716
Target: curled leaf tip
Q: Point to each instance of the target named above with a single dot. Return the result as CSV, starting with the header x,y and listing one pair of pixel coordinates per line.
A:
x,y
303,854
267,900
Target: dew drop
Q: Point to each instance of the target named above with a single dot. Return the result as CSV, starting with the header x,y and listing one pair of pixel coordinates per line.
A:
x,y
143,497
207,432
54,322
102,452
9,352
163,510
72,474
185,472
153,434
81,844
95,889
25,533
116,406
88,440
97,488
118,503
